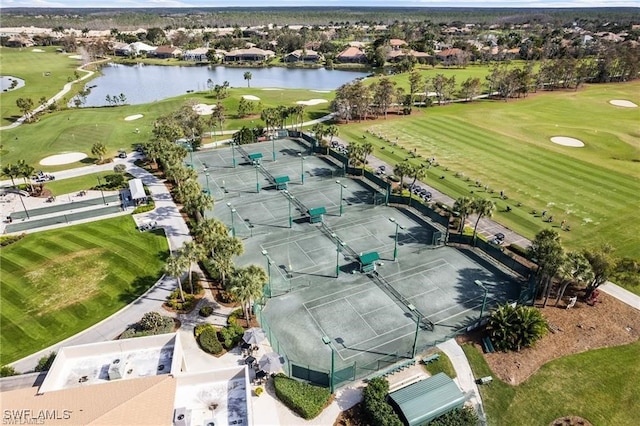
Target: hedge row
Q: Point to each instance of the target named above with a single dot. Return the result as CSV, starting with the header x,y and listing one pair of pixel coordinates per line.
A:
x,y
376,408
305,399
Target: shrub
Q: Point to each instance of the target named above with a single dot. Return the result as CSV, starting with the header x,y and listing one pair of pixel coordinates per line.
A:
x,y
231,335
145,208
45,362
233,316
394,178
513,328
5,240
305,399
198,329
519,250
7,370
151,324
205,311
259,390
225,297
208,341
150,321
376,409
465,416
173,301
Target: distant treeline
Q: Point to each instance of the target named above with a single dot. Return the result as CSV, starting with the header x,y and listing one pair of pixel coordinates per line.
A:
x,y
131,19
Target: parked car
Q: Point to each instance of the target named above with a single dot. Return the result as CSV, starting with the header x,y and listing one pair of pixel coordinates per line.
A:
x,y
497,239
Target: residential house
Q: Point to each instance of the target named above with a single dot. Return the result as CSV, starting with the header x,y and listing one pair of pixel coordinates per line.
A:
x,y
253,54
165,52
453,56
19,41
399,55
198,55
139,48
397,44
352,55
121,49
303,55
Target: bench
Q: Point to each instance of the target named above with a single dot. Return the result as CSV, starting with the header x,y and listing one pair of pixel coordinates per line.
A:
x,y
431,358
488,346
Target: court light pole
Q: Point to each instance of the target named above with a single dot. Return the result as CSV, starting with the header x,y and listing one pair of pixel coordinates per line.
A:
x,y
327,341
484,298
206,175
339,245
101,191
265,253
233,226
273,147
301,167
190,149
233,153
290,198
342,186
395,238
415,337
257,181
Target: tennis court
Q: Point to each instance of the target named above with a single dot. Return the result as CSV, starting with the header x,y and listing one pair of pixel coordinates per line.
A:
x,y
316,287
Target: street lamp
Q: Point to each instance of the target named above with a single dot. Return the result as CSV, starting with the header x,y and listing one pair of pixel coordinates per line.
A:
x,y
257,166
342,186
233,153
395,238
265,253
327,341
290,197
101,191
233,212
190,149
301,167
339,245
273,147
206,175
484,298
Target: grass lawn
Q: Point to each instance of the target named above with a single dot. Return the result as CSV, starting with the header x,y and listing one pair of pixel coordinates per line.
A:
x,y
76,184
57,283
506,146
601,385
31,66
441,365
78,129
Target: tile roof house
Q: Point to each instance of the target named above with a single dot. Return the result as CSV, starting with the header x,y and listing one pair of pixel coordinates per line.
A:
x,y
396,43
399,55
303,55
167,52
198,55
140,47
252,54
352,55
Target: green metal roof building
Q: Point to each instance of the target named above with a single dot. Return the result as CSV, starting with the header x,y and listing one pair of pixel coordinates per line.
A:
x,y
421,402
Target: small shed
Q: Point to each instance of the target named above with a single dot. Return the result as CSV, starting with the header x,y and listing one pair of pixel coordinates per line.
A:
x,y
368,261
137,191
281,182
420,403
315,215
255,157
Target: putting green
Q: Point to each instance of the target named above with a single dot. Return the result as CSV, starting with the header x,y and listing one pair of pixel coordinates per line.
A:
x,y
57,283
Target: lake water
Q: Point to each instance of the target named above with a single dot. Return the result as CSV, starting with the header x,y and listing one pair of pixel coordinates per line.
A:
x,y
148,83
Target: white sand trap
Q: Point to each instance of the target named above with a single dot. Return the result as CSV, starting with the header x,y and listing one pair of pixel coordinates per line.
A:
x,y
133,117
313,102
271,88
321,91
565,141
204,109
75,57
67,158
37,50
623,103
251,98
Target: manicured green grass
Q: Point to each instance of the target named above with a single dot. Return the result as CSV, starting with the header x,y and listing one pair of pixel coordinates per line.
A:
x,y
57,283
78,129
441,365
31,66
506,146
75,184
601,386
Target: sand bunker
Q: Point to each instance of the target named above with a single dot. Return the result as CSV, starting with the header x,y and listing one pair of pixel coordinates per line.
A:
x,y
75,57
204,109
133,117
251,98
67,158
565,141
623,103
37,50
271,88
313,102
321,91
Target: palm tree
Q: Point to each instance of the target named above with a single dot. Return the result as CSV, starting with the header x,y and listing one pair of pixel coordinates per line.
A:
x,y
208,232
464,207
99,150
247,76
418,172
574,268
175,267
366,150
547,252
247,284
512,328
401,170
26,171
482,207
226,248
11,170
192,253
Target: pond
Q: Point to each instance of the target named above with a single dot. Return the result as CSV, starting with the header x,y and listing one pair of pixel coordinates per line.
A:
x,y
8,83
148,83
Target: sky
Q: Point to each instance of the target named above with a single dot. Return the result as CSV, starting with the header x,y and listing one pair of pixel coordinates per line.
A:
x,y
301,3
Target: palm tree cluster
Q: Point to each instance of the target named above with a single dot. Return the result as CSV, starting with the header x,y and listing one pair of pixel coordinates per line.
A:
x,y
20,169
512,328
466,206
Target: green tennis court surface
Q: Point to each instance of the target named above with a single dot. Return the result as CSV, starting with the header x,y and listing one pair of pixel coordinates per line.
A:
x,y
316,286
